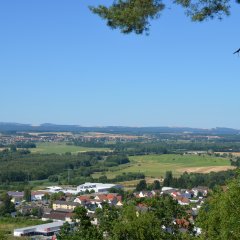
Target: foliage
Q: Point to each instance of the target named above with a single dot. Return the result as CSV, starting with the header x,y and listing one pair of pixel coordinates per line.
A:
x,y
175,145
165,208
2,235
132,224
201,10
25,145
65,231
38,212
134,15
142,185
56,196
190,180
128,177
118,159
80,216
156,185
168,179
120,191
219,217
107,216
53,178
6,207
141,226
85,230
27,195
130,15
129,222
21,166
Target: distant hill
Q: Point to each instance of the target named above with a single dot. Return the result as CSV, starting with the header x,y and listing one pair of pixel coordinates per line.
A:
x,y
48,127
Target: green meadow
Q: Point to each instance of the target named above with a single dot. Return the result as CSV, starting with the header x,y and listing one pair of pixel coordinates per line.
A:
x,y
60,148
157,165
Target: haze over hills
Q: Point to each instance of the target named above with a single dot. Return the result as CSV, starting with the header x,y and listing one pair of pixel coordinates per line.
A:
x,y
47,127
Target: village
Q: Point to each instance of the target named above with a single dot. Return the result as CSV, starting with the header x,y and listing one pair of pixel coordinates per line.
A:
x,y
55,205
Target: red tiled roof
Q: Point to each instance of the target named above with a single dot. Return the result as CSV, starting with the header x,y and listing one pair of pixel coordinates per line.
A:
x,y
84,198
182,222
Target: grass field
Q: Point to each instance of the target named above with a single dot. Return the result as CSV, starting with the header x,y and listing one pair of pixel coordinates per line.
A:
x,y
157,165
60,148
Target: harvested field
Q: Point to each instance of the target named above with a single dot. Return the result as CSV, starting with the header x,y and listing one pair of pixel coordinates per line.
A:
x,y
237,154
205,169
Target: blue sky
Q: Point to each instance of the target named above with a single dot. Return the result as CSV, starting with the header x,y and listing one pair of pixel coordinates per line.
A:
x,y
61,64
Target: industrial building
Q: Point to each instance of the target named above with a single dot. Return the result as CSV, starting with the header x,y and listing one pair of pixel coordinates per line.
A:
x,y
97,187
48,229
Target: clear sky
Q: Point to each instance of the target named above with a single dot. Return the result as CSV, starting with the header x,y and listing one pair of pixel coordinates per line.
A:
x,y
61,64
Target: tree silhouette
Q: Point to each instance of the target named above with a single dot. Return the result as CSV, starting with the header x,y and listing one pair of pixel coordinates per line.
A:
x,y
135,15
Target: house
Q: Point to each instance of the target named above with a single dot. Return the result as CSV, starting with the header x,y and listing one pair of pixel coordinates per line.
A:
x,y
143,194
186,195
64,205
182,200
111,198
182,223
89,202
175,194
200,191
37,195
119,204
98,199
168,190
58,216
82,199
17,197
27,209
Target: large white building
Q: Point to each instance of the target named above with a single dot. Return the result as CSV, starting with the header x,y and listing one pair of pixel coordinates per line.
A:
x,y
97,187
48,229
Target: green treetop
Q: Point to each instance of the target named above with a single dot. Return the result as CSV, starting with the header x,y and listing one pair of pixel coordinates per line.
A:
x,y
220,216
134,15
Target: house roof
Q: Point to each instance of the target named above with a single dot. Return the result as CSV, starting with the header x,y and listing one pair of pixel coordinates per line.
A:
x,y
15,194
84,198
58,215
36,193
182,222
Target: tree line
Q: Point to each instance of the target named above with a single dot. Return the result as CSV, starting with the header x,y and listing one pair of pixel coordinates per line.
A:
x,y
22,166
190,180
